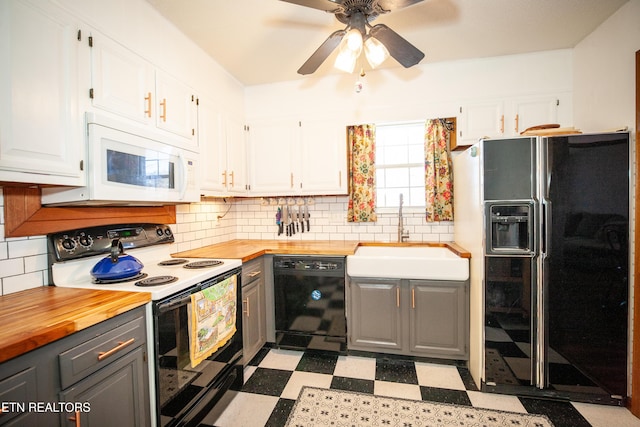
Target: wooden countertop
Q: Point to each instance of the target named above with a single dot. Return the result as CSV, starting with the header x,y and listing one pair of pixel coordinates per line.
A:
x,y
249,249
36,317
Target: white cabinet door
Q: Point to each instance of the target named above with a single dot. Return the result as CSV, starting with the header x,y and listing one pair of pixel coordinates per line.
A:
x,y
479,120
271,156
323,157
532,111
236,147
122,82
222,152
177,107
213,149
41,127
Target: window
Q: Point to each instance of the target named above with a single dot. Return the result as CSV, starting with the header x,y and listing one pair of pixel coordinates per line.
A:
x,y
400,164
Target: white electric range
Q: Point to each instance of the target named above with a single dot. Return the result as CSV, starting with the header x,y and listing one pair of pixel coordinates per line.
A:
x,y
74,253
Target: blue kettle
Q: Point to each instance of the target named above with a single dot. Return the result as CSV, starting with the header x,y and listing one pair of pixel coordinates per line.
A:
x,y
116,266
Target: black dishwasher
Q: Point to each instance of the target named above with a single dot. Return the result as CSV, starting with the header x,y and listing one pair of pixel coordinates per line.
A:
x,y
309,302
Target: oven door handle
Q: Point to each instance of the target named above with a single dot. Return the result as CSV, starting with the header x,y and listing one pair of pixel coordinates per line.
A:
x,y
163,307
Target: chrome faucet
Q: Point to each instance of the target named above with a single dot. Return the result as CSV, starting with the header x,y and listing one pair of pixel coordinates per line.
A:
x,y
403,234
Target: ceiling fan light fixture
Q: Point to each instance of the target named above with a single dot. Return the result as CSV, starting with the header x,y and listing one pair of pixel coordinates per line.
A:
x,y
375,51
353,41
346,60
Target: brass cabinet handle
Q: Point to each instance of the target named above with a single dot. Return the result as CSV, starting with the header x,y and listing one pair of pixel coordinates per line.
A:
x,y
247,302
232,180
413,298
104,354
148,99
398,297
224,174
291,179
517,122
254,273
76,418
339,178
502,124
163,104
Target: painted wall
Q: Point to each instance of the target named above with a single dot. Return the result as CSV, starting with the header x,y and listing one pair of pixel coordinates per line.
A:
x,y
604,72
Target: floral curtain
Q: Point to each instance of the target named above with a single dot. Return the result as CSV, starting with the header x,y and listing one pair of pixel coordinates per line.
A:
x,y
437,168
362,190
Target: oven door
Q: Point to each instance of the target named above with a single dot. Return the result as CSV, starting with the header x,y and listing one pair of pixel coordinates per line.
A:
x,y
187,390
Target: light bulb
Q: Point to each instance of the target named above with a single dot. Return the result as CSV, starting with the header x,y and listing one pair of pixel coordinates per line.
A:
x,y
375,52
353,41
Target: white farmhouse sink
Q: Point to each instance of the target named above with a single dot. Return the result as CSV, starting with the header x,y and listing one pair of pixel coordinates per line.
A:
x,y
407,262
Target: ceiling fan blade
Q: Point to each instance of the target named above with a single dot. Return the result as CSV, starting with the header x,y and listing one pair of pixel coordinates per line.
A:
x,y
402,51
390,5
326,5
322,53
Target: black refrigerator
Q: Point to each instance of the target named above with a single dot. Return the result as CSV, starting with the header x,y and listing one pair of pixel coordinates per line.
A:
x,y
556,265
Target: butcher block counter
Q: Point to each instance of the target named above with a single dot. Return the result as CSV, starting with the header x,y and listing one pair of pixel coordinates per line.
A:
x,y
36,317
247,250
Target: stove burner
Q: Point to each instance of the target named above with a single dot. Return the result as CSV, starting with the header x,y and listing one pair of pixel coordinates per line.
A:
x,y
156,281
173,261
121,280
204,264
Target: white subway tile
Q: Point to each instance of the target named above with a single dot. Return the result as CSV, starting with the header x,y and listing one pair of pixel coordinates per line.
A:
x,y
22,282
11,267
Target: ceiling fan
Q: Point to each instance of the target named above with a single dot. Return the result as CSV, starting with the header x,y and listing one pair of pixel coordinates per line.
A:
x,y
380,42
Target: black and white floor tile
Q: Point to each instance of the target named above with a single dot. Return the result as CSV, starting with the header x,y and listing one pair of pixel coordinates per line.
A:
x,y
274,378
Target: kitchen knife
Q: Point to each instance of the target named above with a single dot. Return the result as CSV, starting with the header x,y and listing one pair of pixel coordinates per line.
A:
x,y
300,218
285,215
306,216
279,220
293,226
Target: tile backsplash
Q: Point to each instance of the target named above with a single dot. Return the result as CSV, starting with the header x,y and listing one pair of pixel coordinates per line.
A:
x,y
198,224
23,260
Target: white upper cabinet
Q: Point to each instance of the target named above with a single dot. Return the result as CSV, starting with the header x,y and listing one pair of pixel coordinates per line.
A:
x,y
272,144
177,107
122,82
506,118
222,152
41,73
293,157
324,157
126,84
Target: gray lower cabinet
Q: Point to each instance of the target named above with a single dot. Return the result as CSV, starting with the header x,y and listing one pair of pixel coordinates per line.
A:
x,y
375,319
254,329
98,376
412,317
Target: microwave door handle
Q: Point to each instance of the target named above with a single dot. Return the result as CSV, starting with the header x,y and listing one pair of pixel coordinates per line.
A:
x,y
185,175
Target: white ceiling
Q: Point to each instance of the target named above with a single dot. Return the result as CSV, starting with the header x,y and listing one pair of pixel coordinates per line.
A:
x,y
265,41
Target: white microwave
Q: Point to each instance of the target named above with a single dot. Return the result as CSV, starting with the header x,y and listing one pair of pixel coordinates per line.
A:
x,y
130,166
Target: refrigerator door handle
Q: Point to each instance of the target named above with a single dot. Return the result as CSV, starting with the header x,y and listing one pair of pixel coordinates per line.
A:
x,y
545,246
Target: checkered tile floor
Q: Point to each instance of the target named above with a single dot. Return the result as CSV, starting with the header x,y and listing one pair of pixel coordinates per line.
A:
x,y
275,377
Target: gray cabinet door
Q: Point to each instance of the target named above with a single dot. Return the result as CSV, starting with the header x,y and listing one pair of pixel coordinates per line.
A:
x,y
253,319
438,318
374,320
116,394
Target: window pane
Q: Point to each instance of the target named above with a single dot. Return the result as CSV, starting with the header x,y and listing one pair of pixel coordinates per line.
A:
x,y
397,177
400,164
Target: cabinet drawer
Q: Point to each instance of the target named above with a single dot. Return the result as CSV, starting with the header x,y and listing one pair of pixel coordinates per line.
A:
x,y
86,358
20,389
252,271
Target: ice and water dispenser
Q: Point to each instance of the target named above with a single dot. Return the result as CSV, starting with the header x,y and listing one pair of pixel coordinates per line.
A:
x,y
510,229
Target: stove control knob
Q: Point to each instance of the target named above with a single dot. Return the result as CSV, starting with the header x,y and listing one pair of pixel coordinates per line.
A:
x,y
85,240
167,232
68,244
159,232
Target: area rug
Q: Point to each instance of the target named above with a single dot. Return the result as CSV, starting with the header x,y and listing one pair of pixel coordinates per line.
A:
x,y
322,407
